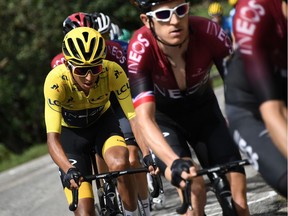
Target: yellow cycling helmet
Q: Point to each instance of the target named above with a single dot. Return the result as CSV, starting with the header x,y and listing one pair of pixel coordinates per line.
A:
x,y
84,46
232,2
215,9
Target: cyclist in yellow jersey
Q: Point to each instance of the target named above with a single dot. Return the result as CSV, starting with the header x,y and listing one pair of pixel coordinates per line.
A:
x,y
79,119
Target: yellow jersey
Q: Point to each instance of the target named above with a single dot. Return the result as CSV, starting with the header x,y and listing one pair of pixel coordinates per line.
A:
x,y
65,105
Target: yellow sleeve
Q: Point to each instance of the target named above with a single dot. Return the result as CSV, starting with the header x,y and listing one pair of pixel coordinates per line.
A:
x,y
118,82
53,94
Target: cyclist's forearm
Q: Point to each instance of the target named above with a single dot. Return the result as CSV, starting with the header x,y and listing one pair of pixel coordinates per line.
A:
x,y
141,143
278,133
274,114
56,152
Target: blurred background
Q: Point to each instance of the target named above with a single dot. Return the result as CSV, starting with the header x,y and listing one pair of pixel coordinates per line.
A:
x,y
31,35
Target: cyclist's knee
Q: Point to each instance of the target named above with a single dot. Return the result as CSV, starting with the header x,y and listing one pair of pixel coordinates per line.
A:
x,y
117,159
133,154
135,163
119,164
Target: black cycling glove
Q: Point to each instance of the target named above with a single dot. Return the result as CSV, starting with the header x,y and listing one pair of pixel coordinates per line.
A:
x,y
178,166
72,173
149,161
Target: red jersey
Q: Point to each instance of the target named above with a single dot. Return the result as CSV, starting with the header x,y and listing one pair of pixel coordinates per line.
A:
x,y
260,30
150,72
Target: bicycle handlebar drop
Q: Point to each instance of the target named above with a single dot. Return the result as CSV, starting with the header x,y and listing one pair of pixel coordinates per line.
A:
x,y
220,169
73,206
108,175
186,199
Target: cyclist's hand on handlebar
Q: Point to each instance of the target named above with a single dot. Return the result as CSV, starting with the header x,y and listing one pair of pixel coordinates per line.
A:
x,y
73,178
182,170
149,163
153,170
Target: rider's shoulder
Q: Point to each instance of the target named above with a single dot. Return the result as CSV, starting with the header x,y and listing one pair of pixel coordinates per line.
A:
x,y
142,32
58,76
112,71
201,25
110,65
197,21
58,72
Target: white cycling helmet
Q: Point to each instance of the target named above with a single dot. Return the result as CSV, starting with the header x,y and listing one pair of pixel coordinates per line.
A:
x,y
115,32
103,22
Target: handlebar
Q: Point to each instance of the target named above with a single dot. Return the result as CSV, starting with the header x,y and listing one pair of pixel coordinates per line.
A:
x,y
108,176
222,169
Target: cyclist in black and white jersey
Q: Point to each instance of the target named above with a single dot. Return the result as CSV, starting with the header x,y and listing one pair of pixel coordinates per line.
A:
x,y
256,87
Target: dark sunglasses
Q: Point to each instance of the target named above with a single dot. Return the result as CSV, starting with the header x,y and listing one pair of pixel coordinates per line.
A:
x,y
164,15
83,71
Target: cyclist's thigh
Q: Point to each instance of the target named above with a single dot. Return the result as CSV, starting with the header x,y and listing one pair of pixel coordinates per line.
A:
x,y
215,134
174,137
77,149
253,140
108,129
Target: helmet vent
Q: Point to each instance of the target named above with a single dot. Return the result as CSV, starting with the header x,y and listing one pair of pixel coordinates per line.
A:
x,y
66,52
100,47
78,19
73,48
92,46
85,35
76,24
88,21
84,46
81,47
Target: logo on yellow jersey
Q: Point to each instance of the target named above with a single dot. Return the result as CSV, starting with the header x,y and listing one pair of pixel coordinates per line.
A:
x,y
71,99
64,77
99,99
123,92
55,87
54,102
117,73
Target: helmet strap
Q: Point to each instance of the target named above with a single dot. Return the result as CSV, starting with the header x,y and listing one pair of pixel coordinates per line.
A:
x,y
68,66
